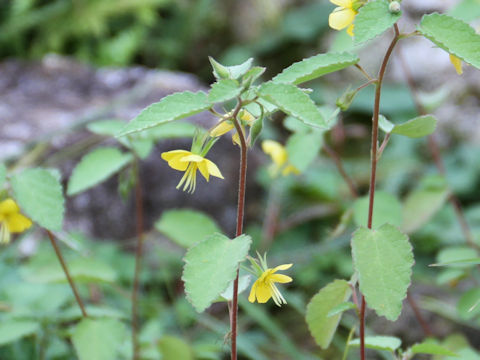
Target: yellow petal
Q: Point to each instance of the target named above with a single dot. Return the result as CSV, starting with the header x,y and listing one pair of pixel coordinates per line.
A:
x,y
247,117
290,169
282,267
193,158
350,30
341,18
221,129
263,292
169,155
203,167
343,3
18,223
251,297
276,151
213,169
282,279
174,159
8,206
457,63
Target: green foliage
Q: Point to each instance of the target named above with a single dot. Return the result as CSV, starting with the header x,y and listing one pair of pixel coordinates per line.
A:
x,y
210,266
452,35
3,174
388,343
431,348
323,326
383,259
373,19
315,67
468,305
172,107
386,209
292,101
466,10
230,72
174,348
40,196
98,339
224,90
186,227
96,167
12,330
417,127
303,148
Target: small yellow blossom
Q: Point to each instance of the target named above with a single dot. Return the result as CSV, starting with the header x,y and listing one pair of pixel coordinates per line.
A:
x,y
457,63
227,125
343,16
279,157
183,160
11,221
264,287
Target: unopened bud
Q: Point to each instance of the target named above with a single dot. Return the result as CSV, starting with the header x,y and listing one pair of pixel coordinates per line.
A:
x,y
344,101
220,71
394,7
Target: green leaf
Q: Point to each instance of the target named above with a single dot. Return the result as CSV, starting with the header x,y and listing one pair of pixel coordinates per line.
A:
x,y
466,10
386,209
452,35
385,125
3,174
417,127
421,204
210,266
252,75
40,196
95,167
457,254
348,305
224,90
186,227
428,347
373,19
174,348
293,101
256,129
468,305
171,130
172,107
388,343
98,339
230,72
321,325
243,282
106,127
383,259
459,263
13,330
303,148
315,67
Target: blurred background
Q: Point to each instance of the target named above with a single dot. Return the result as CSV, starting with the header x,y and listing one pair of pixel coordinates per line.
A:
x,y
67,64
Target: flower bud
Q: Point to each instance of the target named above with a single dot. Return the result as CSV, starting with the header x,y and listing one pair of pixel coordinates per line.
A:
x,y
344,101
394,7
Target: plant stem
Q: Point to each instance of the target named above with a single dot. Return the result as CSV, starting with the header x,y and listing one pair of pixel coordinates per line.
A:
x,y
437,156
67,273
138,259
373,173
338,163
418,315
240,215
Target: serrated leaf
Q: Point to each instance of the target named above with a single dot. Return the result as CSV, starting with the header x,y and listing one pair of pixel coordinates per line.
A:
x,y
386,209
98,339
303,148
383,260
315,67
293,101
210,266
95,167
252,75
421,204
3,174
186,227
452,35
417,127
224,90
428,347
13,330
40,196
341,308
321,326
172,107
388,343
373,19
239,70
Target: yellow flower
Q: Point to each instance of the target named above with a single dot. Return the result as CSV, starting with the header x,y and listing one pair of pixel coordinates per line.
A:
x,y
279,157
457,63
264,287
227,125
343,16
189,162
11,221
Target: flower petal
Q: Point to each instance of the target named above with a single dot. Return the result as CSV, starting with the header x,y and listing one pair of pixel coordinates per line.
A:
x,y
18,223
276,151
8,206
251,297
169,155
203,167
263,292
193,158
177,163
341,18
213,169
282,267
290,169
343,3
282,279
236,139
457,63
221,129
350,30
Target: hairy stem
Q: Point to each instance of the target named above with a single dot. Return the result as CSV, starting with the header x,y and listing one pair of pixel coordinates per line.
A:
x,y
67,273
138,259
373,167
240,215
